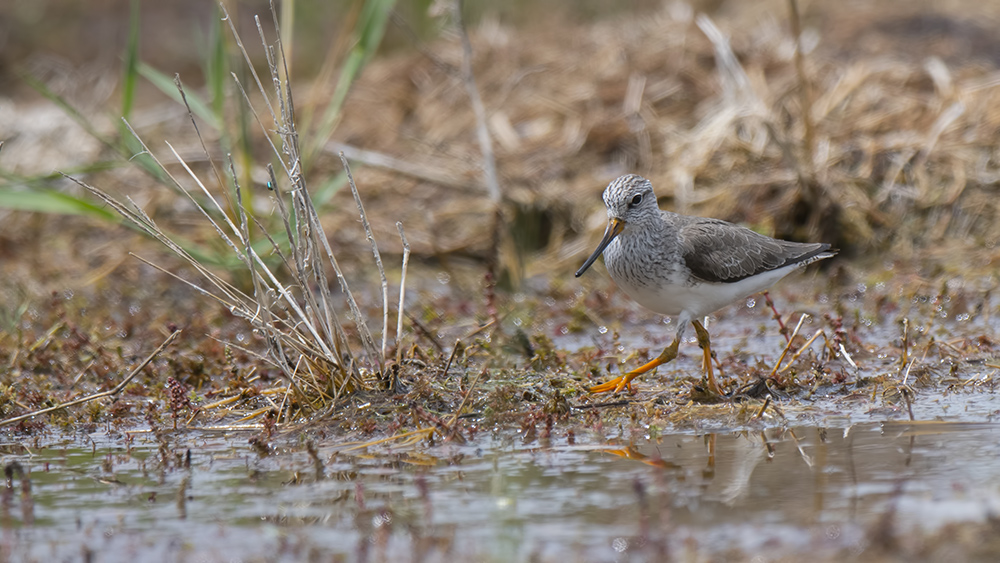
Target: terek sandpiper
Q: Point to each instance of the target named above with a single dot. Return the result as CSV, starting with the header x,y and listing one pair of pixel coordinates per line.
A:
x,y
686,266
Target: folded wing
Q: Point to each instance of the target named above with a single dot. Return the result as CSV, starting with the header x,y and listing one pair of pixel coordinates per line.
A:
x,y
721,252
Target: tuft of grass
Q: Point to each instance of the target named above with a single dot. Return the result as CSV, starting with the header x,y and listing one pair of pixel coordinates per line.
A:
x,y
290,304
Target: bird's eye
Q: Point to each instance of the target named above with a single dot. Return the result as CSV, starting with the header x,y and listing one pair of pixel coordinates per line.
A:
x,y
636,200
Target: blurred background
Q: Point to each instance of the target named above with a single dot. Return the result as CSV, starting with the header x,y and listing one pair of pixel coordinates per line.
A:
x,y
877,135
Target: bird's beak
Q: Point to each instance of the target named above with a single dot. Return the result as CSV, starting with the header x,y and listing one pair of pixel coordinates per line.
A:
x,y
614,229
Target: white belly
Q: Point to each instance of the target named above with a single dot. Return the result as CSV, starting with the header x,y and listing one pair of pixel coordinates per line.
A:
x,y
700,299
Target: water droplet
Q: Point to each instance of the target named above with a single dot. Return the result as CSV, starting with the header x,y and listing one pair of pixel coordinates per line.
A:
x,y
602,329
443,278
620,545
751,303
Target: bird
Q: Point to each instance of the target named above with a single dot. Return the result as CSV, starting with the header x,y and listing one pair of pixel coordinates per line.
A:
x,y
686,266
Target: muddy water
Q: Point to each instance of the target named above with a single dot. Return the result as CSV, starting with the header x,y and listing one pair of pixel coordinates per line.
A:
x,y
769,492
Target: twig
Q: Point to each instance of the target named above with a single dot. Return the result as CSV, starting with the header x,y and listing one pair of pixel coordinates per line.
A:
x,y
468,394
246,57
801,350
905,354
847,356
375,252
113,392
760,412
427,333
451,358
788,345
777,316
622,403
197,130
482,131
402,293
905,391
424,172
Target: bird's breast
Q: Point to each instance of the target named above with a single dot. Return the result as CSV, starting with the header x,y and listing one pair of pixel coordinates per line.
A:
x,y
645,269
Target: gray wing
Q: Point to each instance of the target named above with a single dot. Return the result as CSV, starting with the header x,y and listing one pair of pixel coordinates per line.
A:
x,y
717,251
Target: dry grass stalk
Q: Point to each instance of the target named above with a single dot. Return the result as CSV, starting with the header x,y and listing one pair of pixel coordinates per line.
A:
x,y
402,292
375,252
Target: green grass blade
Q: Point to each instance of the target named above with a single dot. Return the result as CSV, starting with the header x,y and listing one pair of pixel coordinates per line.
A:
x,y
165,84
49,201
371,28
70,111
131,74
328,188
216,67
127,148
45,180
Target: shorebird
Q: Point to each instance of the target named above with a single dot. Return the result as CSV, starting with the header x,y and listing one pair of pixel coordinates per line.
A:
x,y
686,266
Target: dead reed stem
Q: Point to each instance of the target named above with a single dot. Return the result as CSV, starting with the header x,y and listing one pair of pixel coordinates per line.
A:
x,y
402,293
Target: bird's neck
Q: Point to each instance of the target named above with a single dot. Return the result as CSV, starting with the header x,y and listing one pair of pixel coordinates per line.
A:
x,y
653,226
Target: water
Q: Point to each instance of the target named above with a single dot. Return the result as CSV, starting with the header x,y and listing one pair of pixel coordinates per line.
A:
x,y
820,491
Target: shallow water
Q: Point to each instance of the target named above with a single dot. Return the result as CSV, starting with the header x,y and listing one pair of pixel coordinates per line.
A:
x,y
816,482
769,492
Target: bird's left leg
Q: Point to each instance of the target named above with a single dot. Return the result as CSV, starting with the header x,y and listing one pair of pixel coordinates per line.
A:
x,y
668,354
706,347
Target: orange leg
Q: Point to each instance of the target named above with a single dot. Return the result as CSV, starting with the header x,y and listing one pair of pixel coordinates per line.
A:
x,y
624,382
706,348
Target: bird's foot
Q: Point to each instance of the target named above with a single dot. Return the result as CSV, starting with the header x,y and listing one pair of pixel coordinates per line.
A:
x,y
624,382
615,385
